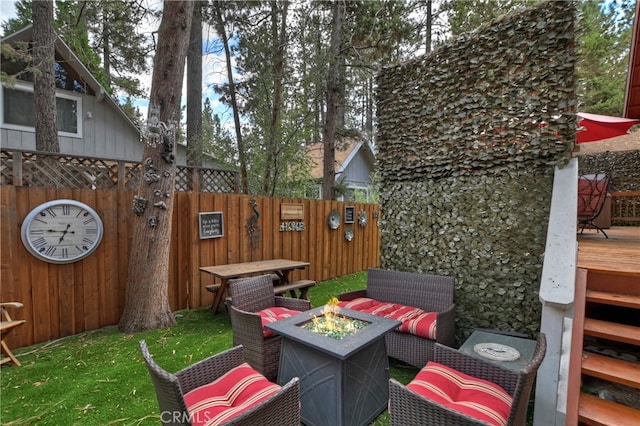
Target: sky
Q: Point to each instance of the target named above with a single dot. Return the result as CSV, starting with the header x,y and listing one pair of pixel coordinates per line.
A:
x,y
214,68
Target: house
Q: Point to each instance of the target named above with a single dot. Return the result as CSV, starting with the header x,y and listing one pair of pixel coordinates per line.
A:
x,y
354,165
90,122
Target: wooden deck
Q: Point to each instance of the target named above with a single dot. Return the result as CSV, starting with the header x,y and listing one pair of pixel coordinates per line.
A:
x,y
619,253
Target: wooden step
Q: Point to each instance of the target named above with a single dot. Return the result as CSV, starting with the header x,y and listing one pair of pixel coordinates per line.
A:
x,y
617,299
601,412
612,331
611,369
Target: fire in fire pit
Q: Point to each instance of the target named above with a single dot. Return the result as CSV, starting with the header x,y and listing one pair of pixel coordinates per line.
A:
x,y
331,324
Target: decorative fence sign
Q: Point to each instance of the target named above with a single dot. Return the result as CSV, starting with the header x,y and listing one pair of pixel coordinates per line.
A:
x,y
211,225
291,211
349,214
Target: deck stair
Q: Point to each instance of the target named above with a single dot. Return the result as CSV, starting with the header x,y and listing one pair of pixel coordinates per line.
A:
x,y
607,365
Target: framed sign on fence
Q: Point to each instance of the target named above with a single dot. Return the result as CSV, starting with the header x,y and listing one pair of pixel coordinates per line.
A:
x,y
210,224
349,214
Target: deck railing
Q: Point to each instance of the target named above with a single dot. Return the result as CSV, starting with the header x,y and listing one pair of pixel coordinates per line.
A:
x,y
625,206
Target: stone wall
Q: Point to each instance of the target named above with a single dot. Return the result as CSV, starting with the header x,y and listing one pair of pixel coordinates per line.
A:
x,y
468,139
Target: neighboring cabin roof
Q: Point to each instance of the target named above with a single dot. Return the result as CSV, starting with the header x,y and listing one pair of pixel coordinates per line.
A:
x,y
65,52
350,148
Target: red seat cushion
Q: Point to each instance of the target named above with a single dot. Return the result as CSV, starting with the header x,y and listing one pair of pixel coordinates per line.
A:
x,y
232,394
466,394
414,320
275,313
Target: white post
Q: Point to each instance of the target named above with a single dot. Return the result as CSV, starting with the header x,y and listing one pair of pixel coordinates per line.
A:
x,y
557,292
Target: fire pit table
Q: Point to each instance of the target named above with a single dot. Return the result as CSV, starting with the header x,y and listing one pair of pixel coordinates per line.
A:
x,y
342,381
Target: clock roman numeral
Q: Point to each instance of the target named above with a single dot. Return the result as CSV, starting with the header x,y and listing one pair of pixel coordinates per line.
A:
x,y
39,242
50,211
88,221
66,209
49,251
65,252
87,241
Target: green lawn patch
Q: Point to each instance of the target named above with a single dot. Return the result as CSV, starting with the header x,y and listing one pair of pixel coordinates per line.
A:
x,y
99,377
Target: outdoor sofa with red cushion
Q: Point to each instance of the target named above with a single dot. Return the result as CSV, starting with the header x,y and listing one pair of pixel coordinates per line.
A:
x,y
423,303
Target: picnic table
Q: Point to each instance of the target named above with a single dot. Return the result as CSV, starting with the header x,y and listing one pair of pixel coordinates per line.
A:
x,y
280,267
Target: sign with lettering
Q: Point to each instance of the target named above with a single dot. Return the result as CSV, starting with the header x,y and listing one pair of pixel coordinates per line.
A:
x,y
211,225
349,214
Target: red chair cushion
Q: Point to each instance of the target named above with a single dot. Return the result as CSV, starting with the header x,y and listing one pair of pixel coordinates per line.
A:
x,y
414,320
275,313
229,396
466,394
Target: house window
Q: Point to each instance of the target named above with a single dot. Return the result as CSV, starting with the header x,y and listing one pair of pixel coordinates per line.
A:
x,y
18,111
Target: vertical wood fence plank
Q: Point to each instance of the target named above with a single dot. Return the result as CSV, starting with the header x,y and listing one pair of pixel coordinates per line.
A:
x,y
90,274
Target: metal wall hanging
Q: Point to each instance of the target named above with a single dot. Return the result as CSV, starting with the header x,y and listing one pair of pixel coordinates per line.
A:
x,y
348,233
362,218
139,205
334,219
292,226
253,229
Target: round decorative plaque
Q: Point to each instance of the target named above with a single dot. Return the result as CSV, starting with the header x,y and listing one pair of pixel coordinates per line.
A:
x,y
348,233
334,219
496,351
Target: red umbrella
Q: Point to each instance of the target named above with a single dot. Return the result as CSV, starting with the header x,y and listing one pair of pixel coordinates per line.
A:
x,y
597,127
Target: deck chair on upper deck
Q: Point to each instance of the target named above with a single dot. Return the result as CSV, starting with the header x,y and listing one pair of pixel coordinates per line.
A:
x,y
592,194
6,325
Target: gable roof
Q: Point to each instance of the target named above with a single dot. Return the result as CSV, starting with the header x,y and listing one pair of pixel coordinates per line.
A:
x,y
345,152
65,52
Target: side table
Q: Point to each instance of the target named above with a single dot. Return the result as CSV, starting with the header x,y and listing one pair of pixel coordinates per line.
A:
x,y
498,349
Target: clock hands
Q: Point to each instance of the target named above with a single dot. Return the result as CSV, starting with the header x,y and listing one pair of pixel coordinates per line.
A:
x,y
64,232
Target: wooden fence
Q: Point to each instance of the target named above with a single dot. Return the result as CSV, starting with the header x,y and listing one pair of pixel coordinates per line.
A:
x,y
64,299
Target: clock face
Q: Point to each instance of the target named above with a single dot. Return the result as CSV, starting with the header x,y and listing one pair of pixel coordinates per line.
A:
x,y
62,231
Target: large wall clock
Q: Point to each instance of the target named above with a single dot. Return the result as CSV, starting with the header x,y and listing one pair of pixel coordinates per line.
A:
x,y
62,231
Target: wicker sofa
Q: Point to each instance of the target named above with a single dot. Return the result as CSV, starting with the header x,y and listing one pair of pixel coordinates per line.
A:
x,y
431,293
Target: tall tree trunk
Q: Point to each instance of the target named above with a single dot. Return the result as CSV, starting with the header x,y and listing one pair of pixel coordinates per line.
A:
x,y
429,30
194,90
106,45
44,85
333,100
242,155
274,136
147,305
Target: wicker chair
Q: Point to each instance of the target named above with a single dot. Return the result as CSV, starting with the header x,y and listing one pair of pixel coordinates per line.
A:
x,y
248,296
407,407
281,408
592,194
431,293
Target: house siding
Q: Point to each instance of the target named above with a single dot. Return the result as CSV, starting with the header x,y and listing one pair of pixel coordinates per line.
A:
x,y
358,171
105,134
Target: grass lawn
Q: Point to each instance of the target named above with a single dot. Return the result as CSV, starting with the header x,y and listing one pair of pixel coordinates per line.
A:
x,y
99,377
